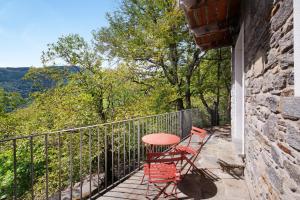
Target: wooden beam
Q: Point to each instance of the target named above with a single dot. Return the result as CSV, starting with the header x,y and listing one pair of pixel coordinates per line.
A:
x,y
190,4
209,29
214,45
224,39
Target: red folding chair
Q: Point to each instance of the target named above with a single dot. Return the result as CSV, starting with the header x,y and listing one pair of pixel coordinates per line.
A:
x,y
162,170
188,149
201,133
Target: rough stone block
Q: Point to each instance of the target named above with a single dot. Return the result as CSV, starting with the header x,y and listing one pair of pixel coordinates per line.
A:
x,y
283,13
264,113
288,26
290,78
276,179
271,59
258,66
290,107
279,81
293,136
286,43
276,155
269,128
293,171
267,84
286,60
273,103
288,91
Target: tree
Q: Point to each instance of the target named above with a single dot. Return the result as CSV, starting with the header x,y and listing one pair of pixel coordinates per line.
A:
x,y
44,78
212,83
153,36
9,101
75,51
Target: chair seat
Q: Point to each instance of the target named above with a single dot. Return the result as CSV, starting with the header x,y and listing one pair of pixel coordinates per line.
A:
x,y
186,149
158,166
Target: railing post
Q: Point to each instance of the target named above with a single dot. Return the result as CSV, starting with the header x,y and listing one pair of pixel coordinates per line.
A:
x,y
80,163
46,154
105,157
31,167
59,164
181,122
15,169
138,142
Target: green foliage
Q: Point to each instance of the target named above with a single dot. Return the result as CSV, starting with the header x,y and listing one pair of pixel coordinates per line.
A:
x,y
152,36
9,101
23,169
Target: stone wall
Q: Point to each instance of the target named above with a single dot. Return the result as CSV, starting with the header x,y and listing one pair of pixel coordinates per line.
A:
x,y
272,118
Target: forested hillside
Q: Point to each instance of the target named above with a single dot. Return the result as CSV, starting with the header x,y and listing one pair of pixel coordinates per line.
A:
x,y
13,80
157,69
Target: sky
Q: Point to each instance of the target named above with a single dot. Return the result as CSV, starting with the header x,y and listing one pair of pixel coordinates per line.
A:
x,y
27,26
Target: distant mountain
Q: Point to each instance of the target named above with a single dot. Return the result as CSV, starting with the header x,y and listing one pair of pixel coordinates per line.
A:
x,y
11,79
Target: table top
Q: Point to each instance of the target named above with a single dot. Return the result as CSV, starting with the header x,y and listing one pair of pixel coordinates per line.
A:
x,y
163,139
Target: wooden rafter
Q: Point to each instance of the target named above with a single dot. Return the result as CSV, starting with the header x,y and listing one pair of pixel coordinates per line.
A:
x,y
210,21
209,28
192,4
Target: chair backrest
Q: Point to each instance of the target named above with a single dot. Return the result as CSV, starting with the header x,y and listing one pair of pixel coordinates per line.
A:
x,y
199,132
164,166
165,157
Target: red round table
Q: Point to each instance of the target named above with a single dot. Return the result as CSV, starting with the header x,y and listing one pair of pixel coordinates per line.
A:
x,y
160,139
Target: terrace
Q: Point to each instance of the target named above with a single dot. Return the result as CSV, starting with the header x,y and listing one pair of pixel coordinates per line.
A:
x,y
211,182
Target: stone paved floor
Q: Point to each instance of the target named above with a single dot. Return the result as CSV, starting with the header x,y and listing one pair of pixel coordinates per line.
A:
x,y
210,183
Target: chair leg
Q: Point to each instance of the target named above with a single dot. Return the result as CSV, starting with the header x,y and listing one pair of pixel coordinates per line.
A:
x,y
174,189
176,194
162,190
191,162
147,189
142,180
189,169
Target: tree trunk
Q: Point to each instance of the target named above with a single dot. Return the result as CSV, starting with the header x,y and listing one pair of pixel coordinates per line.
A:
x,y
212,112
228,110
109,162
188,101
215,115
179,104
216,106
213,118
100,108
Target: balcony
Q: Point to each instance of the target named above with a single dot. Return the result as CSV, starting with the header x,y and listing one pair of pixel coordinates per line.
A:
x,y
104,161
210,182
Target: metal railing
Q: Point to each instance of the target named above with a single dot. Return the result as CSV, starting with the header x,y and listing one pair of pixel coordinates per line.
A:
x,y
83,162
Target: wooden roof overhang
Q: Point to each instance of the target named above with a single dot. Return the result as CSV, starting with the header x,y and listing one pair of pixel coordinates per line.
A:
x,y
213,23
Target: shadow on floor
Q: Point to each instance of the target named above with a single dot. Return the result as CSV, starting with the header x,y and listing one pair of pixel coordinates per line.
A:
x,y
235,170
197,186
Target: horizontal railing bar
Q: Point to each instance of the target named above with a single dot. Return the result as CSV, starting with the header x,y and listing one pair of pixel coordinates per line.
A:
x,y
85,127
